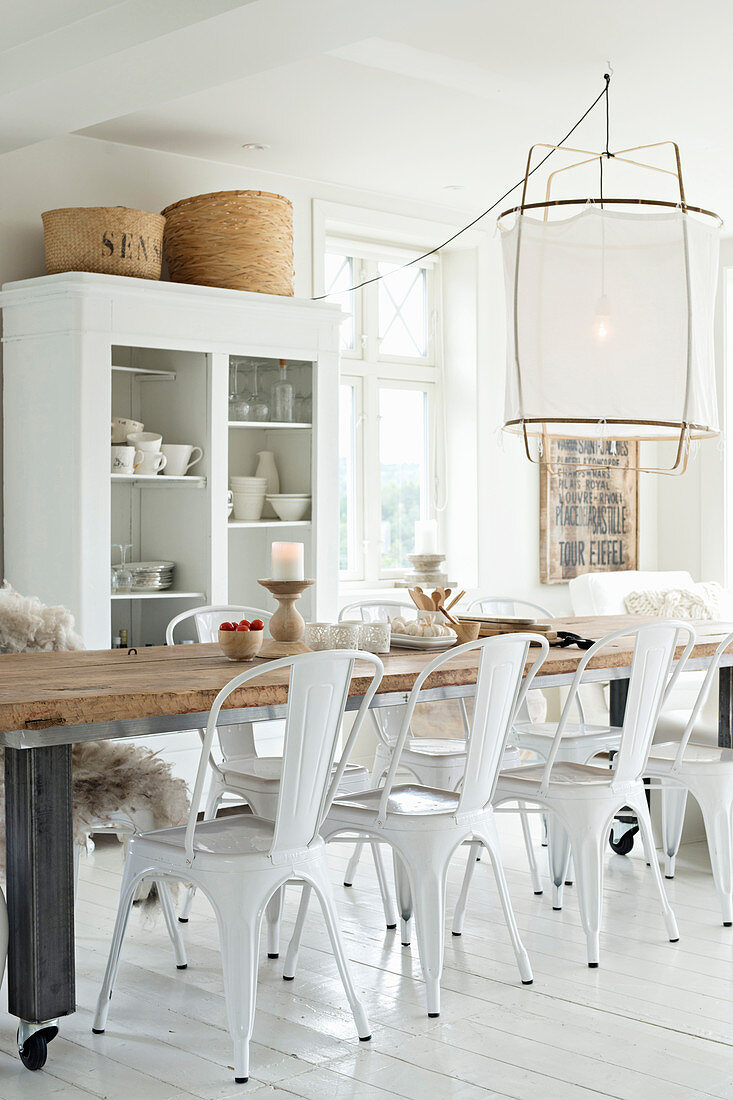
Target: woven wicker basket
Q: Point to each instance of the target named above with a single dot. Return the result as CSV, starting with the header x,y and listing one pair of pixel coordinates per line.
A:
x,y
242,240
112,240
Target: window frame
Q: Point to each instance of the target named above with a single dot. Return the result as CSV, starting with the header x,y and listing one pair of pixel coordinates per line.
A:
x,y
374,371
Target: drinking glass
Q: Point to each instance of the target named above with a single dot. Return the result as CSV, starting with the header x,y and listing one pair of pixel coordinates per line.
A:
x,y
122,575
258,407
238,404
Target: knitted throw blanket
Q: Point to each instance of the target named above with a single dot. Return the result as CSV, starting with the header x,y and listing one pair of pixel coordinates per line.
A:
x,y
702,601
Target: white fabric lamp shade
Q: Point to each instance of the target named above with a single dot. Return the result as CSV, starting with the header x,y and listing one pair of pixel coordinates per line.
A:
x,y
610,325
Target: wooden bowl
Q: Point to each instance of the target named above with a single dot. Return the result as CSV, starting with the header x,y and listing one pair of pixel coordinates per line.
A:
x,y
241,645
466,631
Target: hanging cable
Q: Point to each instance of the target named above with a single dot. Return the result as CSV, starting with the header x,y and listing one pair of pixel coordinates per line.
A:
x,y
483,214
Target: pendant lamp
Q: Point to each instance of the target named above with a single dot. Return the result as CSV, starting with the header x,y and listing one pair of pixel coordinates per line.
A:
x,y
610,315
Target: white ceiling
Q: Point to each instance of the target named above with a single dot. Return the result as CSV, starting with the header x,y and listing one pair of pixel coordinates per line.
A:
x,y
405,97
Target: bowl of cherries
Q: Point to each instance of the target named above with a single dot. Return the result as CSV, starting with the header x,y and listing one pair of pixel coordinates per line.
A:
x,y
241,641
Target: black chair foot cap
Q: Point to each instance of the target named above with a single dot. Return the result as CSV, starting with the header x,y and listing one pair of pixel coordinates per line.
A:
x,y
364,1038
391,927
405,944
183,920
348,884
538,892
276,955
593,966
530,981
557,908
432,1015
241,1080
183,966
456,933
288,979
568,882
675,941
669,878
727,923
98,1030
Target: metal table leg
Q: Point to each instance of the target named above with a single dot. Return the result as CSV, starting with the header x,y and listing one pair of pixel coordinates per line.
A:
x,y
40,886
725,706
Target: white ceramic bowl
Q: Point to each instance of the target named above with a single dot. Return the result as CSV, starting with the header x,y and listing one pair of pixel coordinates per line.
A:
x,y
248,506
287,508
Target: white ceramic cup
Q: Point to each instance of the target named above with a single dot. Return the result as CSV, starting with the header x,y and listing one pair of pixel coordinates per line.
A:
x,y
121,427
125,459
248,507
152,463
179,456
146,441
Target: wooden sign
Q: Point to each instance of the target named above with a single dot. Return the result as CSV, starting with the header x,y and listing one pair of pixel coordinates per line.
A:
x,y
588,517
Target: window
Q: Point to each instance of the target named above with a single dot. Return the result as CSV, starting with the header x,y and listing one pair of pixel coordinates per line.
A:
x,y
389,383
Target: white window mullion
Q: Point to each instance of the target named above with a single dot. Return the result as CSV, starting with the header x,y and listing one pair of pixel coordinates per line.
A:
x,y
372,486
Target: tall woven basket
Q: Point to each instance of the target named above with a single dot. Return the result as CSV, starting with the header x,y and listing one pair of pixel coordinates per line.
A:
x,y
111,240
242,240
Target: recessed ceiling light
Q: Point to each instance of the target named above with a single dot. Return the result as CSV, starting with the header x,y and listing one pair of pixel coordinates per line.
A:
x,y
255,146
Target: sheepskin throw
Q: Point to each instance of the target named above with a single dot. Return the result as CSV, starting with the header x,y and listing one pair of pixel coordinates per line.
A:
x,y
113,781
27,625
702,601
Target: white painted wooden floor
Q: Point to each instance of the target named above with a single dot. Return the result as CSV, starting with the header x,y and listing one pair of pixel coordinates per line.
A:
x,y
656,1020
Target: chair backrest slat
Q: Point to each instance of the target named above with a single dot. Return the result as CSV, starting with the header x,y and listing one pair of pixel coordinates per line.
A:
x,y
502,662
317,694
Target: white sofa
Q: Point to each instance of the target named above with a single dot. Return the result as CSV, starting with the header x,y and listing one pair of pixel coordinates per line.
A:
x,y
604,594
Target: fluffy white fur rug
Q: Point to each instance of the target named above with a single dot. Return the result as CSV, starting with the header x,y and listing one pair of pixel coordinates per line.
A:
x,y
112,779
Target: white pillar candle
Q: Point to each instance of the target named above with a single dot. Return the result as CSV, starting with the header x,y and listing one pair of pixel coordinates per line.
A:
x,y
426,536
287,561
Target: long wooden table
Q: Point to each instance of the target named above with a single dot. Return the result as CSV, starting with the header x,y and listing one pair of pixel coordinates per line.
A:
x,y
50,701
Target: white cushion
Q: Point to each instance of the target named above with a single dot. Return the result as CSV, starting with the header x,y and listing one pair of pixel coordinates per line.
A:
x,y
604,593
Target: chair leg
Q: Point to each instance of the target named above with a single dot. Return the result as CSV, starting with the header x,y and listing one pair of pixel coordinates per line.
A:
x,y
291,955
3,934
428,889
529,846
674,802
718,818
490,838
404,899
588,846
166,904
239,932
130,881
558,854
459,914
273,917
353,863
639,804
210,811
390,916
322,887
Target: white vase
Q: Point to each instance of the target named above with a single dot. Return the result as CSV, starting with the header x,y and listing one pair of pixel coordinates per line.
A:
x,y
266,468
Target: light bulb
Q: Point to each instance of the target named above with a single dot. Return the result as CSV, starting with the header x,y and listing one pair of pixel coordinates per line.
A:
x,y
602,327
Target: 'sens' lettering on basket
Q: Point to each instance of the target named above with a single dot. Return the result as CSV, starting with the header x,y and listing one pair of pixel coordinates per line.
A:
x,y
129,246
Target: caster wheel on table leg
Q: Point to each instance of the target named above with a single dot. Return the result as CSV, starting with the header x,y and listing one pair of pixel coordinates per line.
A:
x,y
34,1051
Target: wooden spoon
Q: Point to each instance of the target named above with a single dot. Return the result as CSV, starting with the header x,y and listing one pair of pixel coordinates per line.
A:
x,y
421,600
455,599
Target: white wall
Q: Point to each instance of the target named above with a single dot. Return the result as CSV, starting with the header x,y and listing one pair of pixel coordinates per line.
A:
x,y
493,491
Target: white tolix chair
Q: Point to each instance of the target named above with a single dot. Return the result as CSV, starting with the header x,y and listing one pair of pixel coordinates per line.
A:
x,y
706,771
425,825
242,862
245,776
434,761
583,799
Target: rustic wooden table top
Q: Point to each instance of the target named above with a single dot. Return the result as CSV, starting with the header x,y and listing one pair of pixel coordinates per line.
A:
x,y
41,690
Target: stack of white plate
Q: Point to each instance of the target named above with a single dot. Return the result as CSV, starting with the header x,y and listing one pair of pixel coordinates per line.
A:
x,y
290,507
151,576
249,496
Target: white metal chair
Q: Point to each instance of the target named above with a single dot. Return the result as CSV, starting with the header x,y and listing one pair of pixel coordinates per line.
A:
x,y
425,825
706,772
255,779
434,761
584,799
241,862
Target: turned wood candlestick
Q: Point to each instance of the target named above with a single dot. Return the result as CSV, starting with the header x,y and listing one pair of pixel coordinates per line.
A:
x,y
287,625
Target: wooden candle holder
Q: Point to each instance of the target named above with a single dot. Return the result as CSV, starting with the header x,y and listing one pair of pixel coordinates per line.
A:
x,y
287,625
